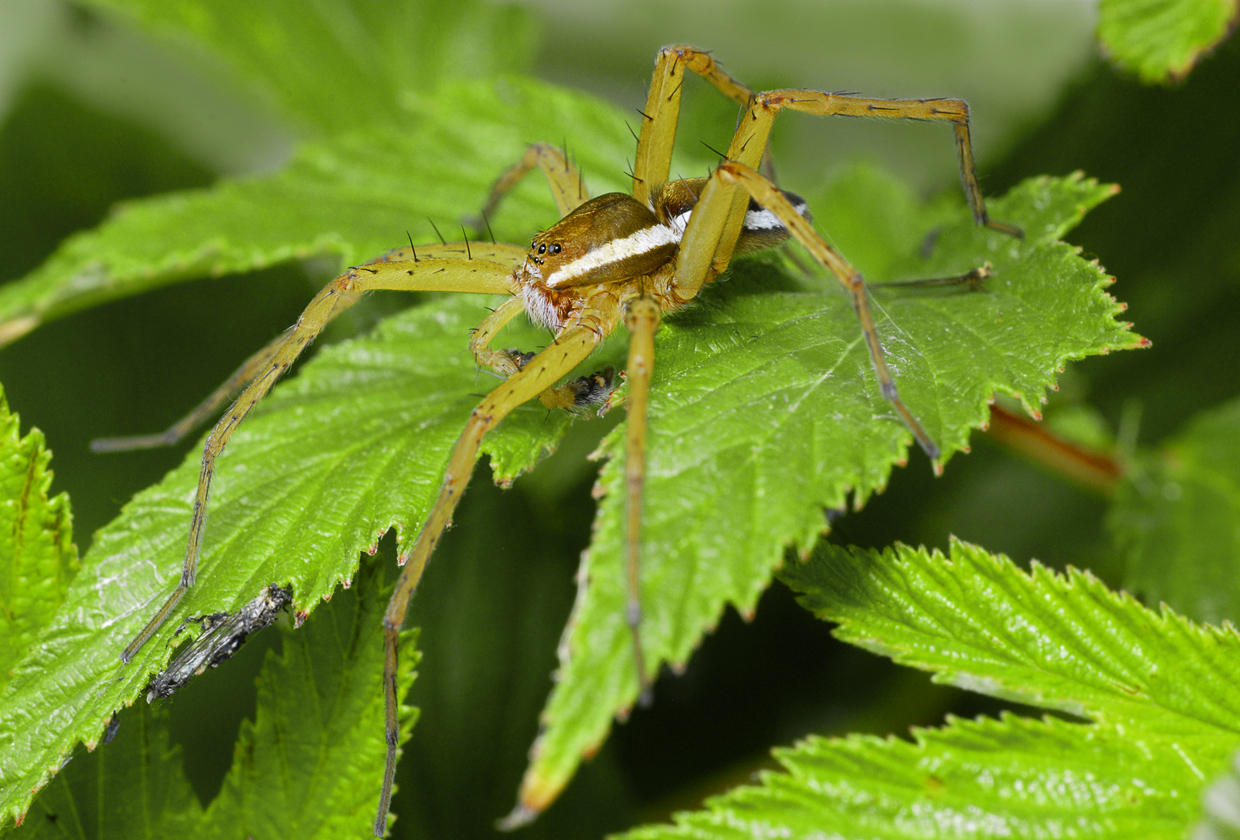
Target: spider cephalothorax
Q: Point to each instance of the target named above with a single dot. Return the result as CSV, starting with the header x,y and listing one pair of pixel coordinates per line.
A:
x,y
615,241
612,259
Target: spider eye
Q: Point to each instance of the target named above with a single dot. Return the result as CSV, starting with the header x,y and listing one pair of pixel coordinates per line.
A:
x,y
555,249
542,249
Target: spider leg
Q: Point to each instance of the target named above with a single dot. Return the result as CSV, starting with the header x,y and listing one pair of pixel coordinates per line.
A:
x,y
658,134
490,251
575,395
749,145
642,320
446,275
498,252
201,413
973,279
749,142
567,186
717,196
500,361
569,349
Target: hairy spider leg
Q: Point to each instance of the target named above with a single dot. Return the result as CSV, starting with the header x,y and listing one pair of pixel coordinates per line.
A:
x,y
755,128
201,413
571,347
497,252
973,279
568,188
441,275
749,144
658,135
500,361
493,252
741,178
641,317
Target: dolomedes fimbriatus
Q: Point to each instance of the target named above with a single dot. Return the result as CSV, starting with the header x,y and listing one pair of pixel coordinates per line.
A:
x,y
609,259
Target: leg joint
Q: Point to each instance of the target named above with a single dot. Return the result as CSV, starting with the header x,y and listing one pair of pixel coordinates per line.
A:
x,y
700,62
769,101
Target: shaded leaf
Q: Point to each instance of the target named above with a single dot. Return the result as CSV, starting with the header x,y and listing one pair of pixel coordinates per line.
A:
x,y
370,57
37,555
1175,520
131,788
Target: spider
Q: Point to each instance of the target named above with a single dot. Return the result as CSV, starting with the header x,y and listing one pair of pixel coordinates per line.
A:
x,y
612,259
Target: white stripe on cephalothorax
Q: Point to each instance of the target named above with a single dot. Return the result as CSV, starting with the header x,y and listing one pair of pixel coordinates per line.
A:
x,y
635,244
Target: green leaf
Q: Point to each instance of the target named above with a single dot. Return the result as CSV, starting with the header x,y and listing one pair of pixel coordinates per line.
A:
x,y
1161,40
306,765
370,57
352,196
1175,519
37,555
1013,777
1058,642
1161,692
764,410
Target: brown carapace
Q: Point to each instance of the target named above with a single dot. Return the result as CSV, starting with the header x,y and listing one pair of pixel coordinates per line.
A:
x,y
612,259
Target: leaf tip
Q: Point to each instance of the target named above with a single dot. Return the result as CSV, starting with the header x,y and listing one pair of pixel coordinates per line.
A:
x,y
519,817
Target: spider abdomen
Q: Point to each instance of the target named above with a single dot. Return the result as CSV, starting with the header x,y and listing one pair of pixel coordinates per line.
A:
x,y
674,201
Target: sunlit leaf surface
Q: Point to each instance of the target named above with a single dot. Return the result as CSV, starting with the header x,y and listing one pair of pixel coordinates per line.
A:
x,y
1158,694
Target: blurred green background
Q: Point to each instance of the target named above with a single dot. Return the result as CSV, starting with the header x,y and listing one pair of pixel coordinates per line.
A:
x,y
93,111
